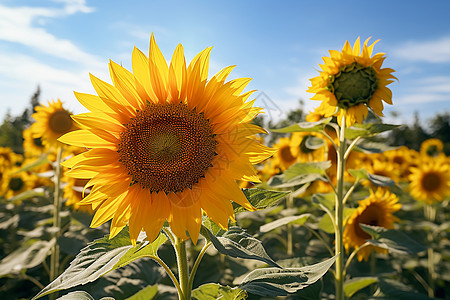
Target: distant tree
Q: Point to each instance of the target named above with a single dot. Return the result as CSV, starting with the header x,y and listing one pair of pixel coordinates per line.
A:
x,y
12,127
440,129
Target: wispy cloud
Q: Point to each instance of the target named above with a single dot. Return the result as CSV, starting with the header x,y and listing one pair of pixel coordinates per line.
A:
x,y
433,51
21,25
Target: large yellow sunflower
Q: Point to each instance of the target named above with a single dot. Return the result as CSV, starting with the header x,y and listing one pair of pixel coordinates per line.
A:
x,y
351,81
430,180
376,210
52,121
165,143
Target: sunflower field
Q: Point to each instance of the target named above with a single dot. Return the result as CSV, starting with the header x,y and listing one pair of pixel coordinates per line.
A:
x,y
173,186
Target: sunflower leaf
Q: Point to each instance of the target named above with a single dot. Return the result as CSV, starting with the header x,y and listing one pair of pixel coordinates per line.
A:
x,y
213,291
284,221
100,257
307,168
279,181
260,199
272,282
367,130
29,255
77,295
353,285
237,243
393,240
304,126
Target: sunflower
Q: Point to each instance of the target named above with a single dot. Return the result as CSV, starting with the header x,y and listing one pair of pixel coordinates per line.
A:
x,y
376,210
351,81
430,180
32,147
14,183
304,149
285,157
8,158
166,144
74,192
431,147
52,121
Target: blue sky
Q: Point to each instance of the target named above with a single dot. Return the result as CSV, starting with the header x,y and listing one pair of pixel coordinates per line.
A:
x,y
56,43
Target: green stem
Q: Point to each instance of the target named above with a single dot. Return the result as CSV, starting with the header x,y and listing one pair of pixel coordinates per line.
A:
x,y
54,257
319,238
339,214
350,191
183,269
169,272
197,263
289,240
430,215
353,254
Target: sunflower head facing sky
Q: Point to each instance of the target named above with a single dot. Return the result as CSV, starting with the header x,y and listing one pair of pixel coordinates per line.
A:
x,y
375,210
351,82
52,122
165,143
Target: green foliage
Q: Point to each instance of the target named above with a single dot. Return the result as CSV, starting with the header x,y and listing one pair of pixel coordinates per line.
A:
x,y
213,291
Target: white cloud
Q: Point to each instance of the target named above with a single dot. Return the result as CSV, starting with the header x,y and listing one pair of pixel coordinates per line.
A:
x,y
434,51
299,92
18,25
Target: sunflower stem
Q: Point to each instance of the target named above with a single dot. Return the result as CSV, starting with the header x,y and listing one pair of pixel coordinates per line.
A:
x,y
54,258
183,269
339,214
430,215
197,263
289,240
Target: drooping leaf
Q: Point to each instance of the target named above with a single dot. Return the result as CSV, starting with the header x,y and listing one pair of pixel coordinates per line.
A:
x,y
373,147
379,180
29,255
353,285
313,142
214,291
358,174
272,282
367,130
306,168
77,295
99,258
260,199
42,160
284,221
304,126
37,192
393,240
393,289
237,243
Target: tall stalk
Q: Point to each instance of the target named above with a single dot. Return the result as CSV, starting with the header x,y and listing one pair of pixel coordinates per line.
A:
x,y
183,269
339,213
54,257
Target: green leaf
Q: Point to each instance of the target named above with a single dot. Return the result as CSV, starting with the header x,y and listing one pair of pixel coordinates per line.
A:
x,y
326,224
284,221
29,255
353,285
260,199
327,200
213,291
359,174
304,126
37,192
373,147
237,243
393,240
146,293
38,162
379,180
99,258
306,168
77,295
393,289
313,142
279,181
273,282
367,130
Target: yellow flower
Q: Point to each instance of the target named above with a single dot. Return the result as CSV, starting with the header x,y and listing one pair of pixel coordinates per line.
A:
x,y
74,192
285,157
52,121
351,81
431,147
430,181
9,158
13,183
32,147
376,210
164,144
